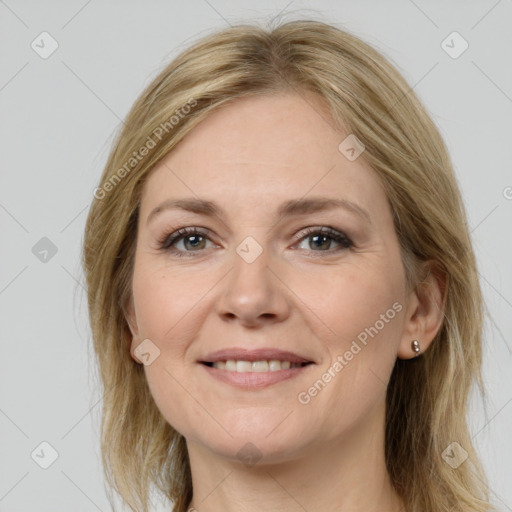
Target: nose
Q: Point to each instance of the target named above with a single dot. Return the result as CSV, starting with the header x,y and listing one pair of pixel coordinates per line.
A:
x,y
253,293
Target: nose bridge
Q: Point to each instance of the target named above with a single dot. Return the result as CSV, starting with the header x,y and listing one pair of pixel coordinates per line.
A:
x,y
251,290
250,262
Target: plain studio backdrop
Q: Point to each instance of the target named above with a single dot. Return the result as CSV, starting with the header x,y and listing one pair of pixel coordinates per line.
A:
x,y
70,71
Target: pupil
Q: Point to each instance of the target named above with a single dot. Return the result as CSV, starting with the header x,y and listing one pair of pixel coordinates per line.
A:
x,y
316,237
192,237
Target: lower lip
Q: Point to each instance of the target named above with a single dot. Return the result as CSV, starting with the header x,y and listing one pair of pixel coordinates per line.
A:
x,y
247,380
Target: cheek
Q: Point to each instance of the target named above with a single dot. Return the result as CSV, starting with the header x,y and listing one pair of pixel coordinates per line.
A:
x,y
163,299
165,315
169,305
352,384
361,322
173,395
351,298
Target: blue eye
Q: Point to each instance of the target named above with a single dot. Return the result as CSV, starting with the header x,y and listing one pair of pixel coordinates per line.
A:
x,y
193,235
323,234
195,238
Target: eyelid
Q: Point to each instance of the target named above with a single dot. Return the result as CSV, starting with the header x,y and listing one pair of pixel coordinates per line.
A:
x,y
324,229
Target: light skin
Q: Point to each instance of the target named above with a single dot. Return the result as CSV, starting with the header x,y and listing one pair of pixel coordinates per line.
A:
x,y
304,294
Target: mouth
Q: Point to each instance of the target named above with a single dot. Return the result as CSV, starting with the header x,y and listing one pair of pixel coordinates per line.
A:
x,y
254,368
257,360
241,366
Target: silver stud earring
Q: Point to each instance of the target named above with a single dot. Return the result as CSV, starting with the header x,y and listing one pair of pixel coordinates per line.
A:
x,y
415,345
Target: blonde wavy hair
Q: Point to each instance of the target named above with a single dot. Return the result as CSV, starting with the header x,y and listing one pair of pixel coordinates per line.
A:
x,y
427,398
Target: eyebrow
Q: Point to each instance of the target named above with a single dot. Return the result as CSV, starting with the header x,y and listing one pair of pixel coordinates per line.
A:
x,y
287,209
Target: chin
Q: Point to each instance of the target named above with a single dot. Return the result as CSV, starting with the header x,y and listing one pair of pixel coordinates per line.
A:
x,y
260,442
250,452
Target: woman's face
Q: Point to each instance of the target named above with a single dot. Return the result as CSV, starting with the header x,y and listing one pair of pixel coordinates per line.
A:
x,y
273,272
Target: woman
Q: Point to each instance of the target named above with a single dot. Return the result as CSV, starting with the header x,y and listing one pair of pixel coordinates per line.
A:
x,y
282,288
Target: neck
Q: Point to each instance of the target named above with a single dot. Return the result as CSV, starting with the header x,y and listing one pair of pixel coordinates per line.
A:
x,y
342,475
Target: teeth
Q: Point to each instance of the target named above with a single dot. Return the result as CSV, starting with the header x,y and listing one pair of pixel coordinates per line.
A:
x,y
274,365
254,366
243,366
258,366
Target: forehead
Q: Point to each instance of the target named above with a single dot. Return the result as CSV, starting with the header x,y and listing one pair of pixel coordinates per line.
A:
x,y
264,149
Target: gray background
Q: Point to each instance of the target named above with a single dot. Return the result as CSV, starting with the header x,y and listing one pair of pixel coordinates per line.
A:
x,y
58,116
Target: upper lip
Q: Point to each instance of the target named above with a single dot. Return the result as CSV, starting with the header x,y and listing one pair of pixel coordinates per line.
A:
x,y
261,354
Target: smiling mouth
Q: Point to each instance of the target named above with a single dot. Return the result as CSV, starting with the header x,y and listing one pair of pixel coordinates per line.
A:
x,y
241,366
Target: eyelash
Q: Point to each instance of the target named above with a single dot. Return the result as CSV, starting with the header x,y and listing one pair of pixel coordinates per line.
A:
x,y
166,241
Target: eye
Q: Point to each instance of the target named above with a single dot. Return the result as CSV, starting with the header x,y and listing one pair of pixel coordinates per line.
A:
x,y
321,237
193,238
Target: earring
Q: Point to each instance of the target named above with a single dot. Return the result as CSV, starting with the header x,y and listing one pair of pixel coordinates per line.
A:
x,y
416,348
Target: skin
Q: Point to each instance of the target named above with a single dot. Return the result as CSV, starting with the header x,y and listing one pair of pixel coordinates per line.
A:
x,y
299,294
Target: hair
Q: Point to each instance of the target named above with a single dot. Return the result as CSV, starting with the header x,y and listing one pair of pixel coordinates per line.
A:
x,y
428,396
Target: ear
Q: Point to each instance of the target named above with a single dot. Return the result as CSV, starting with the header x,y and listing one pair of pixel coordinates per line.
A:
x,y
425,311
131,320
